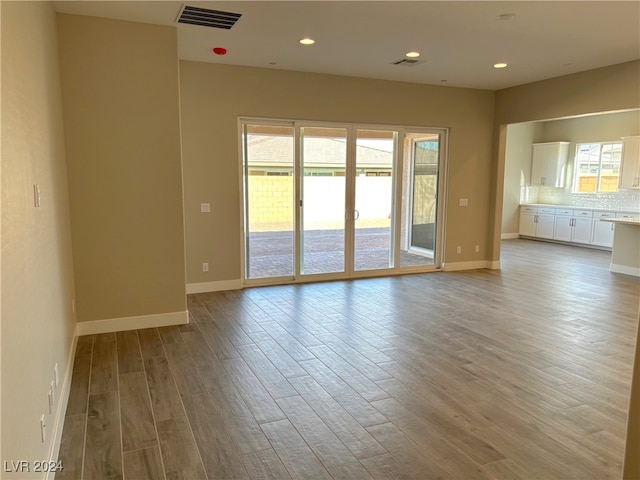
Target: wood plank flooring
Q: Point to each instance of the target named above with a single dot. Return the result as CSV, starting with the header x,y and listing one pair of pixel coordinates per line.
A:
x,y
514,374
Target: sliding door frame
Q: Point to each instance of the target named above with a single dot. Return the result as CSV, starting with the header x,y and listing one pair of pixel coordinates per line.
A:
x,y
397,189
442,196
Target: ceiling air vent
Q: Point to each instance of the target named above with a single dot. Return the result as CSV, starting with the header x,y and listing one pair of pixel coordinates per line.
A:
x,y
208,18
407,62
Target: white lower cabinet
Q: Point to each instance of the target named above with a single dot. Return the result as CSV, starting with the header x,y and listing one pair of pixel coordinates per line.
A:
x,y
602,232
569,225
544,227
527,225
536,222
563,226
582,230
573,225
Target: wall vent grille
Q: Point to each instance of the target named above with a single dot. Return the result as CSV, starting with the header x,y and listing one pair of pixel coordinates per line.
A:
x,y
208,18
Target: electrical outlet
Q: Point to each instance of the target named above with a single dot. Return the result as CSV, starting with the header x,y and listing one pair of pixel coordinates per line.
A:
x,y
205,267
463,202
205,208
458,249
477,248
43,428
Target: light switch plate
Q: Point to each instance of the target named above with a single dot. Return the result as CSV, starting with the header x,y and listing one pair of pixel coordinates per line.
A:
x,y
205,207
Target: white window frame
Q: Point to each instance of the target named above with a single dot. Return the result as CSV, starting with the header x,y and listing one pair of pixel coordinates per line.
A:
x,y
576,167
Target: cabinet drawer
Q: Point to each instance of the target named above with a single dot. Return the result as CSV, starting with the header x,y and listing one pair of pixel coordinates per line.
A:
x,y
564,212
547,210
583,213
604,215
626,215
527,209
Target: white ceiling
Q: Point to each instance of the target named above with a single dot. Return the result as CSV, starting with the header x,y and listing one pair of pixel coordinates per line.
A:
x,y
459,41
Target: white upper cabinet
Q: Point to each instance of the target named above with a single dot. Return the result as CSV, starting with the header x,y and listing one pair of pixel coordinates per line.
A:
x,y
630,167
549,164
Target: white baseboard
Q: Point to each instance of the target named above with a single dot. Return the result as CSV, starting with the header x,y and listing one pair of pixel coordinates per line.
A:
x,y
61,411
635,271
475,265
493,265
132,323
508,236
214,286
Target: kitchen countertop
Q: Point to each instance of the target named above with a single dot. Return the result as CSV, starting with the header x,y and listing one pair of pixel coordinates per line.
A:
x,y
628,221
574,207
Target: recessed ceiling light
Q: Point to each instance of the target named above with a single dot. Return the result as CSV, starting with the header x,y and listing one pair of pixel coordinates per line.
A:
x,y
500,65
307,41
506,16
412,54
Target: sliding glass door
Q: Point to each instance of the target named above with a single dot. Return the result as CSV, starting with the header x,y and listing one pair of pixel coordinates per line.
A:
x,y
374,215
269,220
322,202
328,201
422,161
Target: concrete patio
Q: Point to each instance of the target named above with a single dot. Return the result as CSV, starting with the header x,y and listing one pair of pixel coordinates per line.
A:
x,y
272,253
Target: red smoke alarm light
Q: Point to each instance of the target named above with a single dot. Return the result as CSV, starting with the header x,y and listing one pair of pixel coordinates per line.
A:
x,y
220,51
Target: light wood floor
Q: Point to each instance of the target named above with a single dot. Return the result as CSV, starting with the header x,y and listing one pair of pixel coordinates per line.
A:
x,y
514,374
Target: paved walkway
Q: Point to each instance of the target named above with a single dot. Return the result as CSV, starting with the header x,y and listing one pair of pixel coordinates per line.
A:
x,y
271,253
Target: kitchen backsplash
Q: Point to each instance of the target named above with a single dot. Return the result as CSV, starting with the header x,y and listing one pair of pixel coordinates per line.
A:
x,y
622,200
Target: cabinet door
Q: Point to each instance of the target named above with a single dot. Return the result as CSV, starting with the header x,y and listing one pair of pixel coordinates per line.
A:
x,y
527,224
630,167
549,163
538,170
544,228
581,230
557,165
562,229
602,233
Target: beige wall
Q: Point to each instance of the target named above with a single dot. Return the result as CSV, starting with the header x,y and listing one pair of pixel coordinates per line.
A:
x,y
121,112
517,170
595,128
605,89
214,96
37,271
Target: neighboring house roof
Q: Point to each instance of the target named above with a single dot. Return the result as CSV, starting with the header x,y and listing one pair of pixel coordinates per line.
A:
x,y
272,151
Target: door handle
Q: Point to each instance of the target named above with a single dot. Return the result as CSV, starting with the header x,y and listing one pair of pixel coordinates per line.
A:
x,y
356,215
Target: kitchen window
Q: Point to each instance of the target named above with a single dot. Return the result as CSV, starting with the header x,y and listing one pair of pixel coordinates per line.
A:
x,y
597,167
